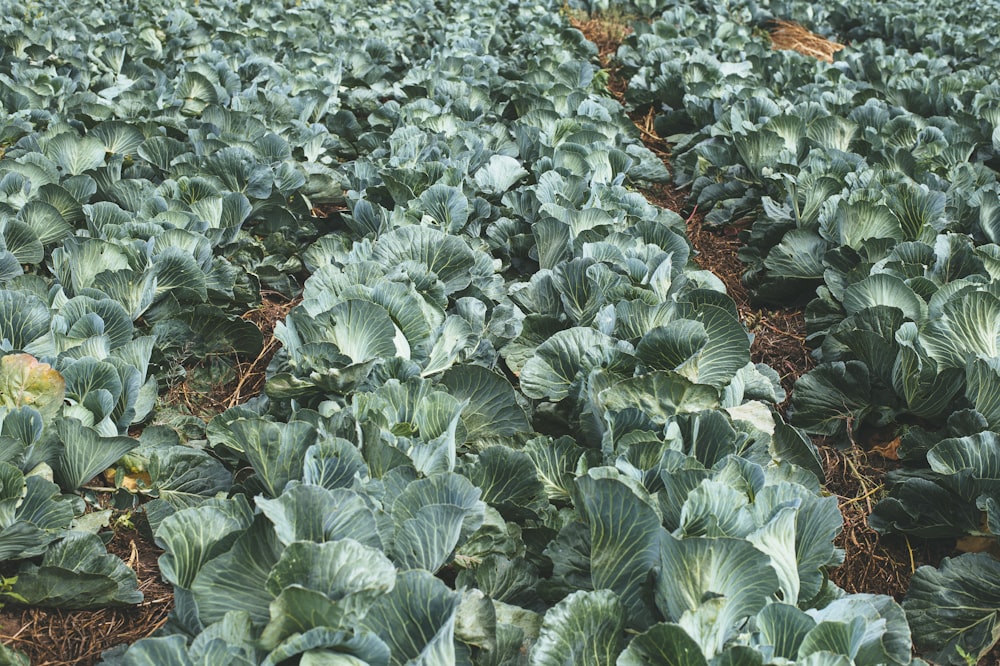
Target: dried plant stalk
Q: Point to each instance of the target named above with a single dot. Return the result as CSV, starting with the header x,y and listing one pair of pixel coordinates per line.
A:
x,y
790,36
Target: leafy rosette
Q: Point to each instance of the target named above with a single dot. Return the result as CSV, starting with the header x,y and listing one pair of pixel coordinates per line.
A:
x,y
398,298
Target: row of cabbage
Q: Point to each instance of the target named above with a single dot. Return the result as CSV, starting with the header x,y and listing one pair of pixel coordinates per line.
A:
x,y
872,188
510,422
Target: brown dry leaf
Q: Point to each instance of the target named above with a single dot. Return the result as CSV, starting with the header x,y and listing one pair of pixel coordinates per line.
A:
x,y
978,544
133,557
889,450
24,380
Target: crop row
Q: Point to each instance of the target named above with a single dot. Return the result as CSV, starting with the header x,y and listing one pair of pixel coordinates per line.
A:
x,y
872,188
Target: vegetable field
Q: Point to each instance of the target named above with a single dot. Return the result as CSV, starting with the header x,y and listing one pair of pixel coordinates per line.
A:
x,y
358,318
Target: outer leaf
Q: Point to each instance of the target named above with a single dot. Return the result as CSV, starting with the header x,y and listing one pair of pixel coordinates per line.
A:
x,y
887,290
791,444
673,346
556,464
955,607
662,645
715,509
44,507
333,463
970,464
508,480
229,641
982,388
232,581
312,513
85,453
118,137
23,318
968,327
186,477
784,627
499,174
584,629
728,347
448,206
448,257
511,581
832,397
21,540
433,516
325,647
883,636
361,330
275,450
714,585
492,410
159,651
193,536
331,584
625,535
925,507
562,361
798,535
858,221
12,491
77,572
660,395
75,154
416,619
44,221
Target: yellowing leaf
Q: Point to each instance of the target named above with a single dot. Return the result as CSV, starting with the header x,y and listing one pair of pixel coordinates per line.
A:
x,y
889,450
25,381
130,481
978,544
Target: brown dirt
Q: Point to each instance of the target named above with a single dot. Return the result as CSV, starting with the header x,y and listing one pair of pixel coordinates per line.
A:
x,y
779,333
53,637
605,31
872,563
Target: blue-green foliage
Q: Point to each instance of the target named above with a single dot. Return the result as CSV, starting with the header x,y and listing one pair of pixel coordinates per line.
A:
x,y
504,371
872,185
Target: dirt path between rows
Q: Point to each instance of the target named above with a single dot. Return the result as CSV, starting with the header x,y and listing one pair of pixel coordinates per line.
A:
x,y
872,563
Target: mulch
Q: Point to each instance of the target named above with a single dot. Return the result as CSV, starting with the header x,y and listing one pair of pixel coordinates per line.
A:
x,y
249,374
791,36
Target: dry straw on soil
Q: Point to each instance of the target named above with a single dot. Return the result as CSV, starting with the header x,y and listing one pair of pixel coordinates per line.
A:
x,y
790,36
